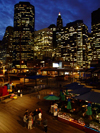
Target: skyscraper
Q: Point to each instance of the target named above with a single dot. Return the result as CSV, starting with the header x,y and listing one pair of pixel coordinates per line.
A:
x,y
95,16
7,46
43,45
24,18
59,22
72,43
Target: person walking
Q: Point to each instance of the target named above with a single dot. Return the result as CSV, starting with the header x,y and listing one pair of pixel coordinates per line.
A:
x,y
21,94
40,110
35,117
39,118
25,120
30,121
45,125
27,114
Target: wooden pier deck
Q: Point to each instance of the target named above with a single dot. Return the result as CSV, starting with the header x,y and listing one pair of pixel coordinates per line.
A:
x,y
11,114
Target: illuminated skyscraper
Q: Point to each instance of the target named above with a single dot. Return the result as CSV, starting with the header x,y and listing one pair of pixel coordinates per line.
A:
x,y
72,43
43,45
59,22
6,44
96,34
24,16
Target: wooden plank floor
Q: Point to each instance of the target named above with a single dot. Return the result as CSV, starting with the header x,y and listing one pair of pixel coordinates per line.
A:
x,y
11,115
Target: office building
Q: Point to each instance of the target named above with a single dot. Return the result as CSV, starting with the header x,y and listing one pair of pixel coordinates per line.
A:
x,y
59,22
72,43
24,19
95,16
43,45
6,49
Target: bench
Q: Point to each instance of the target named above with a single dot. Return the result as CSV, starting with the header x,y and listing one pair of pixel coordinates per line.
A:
x,y
6,100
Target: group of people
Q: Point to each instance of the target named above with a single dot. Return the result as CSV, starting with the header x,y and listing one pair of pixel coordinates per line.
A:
x,y
31,119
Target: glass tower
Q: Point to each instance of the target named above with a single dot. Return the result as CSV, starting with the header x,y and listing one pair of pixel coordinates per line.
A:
x,y
24,17
96,34
59,22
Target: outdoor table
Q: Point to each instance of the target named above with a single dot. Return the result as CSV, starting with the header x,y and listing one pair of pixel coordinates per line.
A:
x,y
84,106
95,108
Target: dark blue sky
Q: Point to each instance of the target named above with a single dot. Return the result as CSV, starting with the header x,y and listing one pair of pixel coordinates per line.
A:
x,y
46,12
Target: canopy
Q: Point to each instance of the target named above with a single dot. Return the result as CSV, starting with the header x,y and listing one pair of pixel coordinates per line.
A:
x,y
51,97
81,91
90,96
72,84
35,77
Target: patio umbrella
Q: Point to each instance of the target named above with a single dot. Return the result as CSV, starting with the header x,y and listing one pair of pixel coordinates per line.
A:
x,y
69,104
67,92
51,97
89,110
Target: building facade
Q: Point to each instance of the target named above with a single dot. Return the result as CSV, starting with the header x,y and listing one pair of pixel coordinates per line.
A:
x,y
72,43
24,19
59,22
6,49
95,16
43,43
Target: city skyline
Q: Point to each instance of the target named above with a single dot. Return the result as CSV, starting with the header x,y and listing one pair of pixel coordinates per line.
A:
x,y
46,12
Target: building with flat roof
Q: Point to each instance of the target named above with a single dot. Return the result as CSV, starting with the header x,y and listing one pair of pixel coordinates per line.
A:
x,y
43,43
24,19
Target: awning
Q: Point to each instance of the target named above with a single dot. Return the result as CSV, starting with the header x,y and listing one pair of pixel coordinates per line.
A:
x,y
35,77
81,91
73,86
90,96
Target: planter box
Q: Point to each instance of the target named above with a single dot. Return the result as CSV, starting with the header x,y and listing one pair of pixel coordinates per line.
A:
x,y
90,130
63,120
77,125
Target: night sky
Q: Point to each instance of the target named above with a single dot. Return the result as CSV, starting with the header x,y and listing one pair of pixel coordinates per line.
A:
x,y
46,12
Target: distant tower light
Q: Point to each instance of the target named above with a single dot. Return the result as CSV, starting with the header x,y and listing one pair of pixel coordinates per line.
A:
x,y
59,14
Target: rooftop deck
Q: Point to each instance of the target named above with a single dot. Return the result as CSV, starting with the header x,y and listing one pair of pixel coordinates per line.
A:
x,y
11,114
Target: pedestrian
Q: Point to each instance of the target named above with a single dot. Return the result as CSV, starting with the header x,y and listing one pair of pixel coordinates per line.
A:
x,y
35,117
30,121
25,120
39,118
40,110
45,125
27,113
38,95
21,93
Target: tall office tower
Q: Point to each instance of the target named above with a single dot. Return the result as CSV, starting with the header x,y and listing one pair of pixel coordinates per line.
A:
x,y
43,43
53,28
74,49
59,22
89,49
60,41
1,52
96,33
24,17
7,49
